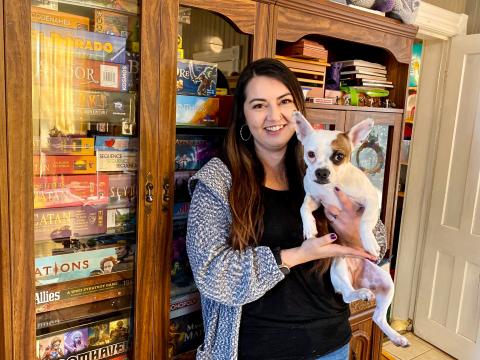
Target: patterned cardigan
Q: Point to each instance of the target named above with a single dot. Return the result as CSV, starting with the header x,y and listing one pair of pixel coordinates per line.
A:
x,y
226,278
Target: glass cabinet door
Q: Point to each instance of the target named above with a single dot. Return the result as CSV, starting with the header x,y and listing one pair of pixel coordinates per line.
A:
x,y
85,71
211,53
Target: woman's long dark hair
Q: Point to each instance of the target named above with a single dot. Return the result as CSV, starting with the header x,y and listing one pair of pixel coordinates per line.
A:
x,y
247,171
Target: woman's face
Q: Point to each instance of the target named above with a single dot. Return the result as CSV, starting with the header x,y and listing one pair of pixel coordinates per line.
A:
x,y
268,111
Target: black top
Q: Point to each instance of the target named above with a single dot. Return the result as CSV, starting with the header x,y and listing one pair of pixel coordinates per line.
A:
x,y
301,317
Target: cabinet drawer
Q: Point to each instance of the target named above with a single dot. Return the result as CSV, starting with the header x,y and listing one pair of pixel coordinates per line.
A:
x,y
380,118
327,117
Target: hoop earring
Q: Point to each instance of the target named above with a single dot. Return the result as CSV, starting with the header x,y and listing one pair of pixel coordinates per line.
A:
x,y
241,133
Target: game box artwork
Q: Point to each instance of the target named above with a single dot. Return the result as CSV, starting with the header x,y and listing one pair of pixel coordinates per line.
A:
x,y
60,223
181,274
66,165
197,111
112,23
193,151
81,264
80,43
181,193
70,190
122,192
121,219
196,78
74,293
95,340
186,326
180,210
116,143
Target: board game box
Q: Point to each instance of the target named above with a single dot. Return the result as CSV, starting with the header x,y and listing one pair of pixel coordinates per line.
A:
x,y
75,112
117,160
63,145
186,325
197,111
116,143
54,40
121,219
70,190
64,165
102,339
112,23
196,78
73,293
61,223
194,151
181,274
181,193
180,210
122,191
58,18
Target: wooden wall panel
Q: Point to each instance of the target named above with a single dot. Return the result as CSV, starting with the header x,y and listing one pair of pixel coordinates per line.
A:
x,y
5,280
20,190
204,25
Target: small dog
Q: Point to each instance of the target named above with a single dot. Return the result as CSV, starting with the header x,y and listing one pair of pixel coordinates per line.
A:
x,y
327,155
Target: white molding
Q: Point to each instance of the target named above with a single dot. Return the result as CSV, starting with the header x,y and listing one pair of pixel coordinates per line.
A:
x,y
437,23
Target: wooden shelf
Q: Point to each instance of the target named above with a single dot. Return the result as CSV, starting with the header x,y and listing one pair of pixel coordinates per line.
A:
x,y
404,163
353,108
401,193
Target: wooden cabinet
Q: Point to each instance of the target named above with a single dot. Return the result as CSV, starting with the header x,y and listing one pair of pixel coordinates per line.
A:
x,y
345,32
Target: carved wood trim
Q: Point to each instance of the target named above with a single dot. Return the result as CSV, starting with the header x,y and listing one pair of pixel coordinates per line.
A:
x,y
298,18
18,112
265,36
240,12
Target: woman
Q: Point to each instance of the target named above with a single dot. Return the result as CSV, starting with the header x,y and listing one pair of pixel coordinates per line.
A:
x,y
263,296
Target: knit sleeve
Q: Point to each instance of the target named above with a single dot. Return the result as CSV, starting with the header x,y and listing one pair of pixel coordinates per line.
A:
x,y
380,233
225,275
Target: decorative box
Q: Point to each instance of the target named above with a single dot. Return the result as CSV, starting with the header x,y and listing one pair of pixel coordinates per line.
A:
x,y
306,49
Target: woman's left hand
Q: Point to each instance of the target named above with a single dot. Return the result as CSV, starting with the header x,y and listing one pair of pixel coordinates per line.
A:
x,y
346,220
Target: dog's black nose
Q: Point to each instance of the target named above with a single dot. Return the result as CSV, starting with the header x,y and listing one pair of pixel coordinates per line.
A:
x,y
322,175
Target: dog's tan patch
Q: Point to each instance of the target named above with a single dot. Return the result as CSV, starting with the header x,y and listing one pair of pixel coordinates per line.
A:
x,y
341,145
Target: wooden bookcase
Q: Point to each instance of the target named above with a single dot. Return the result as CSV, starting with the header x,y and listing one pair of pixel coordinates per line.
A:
x,y
345,32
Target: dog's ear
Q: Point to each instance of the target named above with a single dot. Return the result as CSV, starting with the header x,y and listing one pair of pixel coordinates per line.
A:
x,y
359,132
302,126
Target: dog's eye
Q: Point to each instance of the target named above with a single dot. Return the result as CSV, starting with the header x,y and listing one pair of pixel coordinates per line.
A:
x,y
337,157
311,154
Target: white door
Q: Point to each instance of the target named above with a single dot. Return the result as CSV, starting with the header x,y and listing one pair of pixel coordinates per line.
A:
x,y
447,310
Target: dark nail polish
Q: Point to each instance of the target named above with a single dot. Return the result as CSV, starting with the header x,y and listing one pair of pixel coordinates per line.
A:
x,y
333,236
337,188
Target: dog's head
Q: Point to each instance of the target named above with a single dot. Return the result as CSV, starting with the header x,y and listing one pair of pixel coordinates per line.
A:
x,y
327,152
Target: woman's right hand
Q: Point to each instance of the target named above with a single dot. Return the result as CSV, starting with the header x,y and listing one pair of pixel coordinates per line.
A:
x,y
320,248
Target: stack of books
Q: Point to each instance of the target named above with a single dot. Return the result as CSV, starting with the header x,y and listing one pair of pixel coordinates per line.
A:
x,y
364,73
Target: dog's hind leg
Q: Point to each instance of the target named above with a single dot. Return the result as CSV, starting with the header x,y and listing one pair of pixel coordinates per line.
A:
x,y
342,282
380,280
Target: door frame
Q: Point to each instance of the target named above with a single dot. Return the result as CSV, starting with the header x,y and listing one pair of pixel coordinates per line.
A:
x,y
436,27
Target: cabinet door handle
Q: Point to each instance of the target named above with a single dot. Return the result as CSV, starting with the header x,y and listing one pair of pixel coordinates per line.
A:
x,y
149,192
166,194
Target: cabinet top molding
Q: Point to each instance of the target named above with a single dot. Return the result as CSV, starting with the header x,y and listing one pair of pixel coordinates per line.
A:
x,y
331,19
437,23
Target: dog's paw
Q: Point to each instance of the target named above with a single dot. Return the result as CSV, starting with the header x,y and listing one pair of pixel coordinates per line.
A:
x,y
360,294
309,230
400,340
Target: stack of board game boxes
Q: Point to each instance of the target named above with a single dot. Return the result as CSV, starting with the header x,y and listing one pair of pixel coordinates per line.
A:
x,y
85,68
197,111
